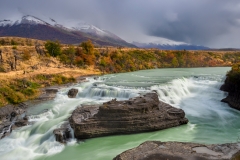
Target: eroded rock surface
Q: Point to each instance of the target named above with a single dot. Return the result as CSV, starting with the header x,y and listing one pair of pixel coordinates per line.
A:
x,y
155,150
233,89
72,93
63,134
48,94
140,114
11,117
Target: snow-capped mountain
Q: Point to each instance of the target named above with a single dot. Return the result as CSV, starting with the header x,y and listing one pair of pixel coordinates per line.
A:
x,y
33,27
167,44
25,20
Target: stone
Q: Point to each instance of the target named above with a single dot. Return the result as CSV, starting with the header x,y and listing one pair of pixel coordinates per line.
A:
x,y
233,89
48,94
156,150
140,114
72,93
51,90
63,134
8,115
21,123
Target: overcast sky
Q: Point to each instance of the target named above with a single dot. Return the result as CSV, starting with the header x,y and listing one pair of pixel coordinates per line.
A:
x,y
213,23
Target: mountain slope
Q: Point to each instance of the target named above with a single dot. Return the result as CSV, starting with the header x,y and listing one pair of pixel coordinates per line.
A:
x,y
33,27
170,45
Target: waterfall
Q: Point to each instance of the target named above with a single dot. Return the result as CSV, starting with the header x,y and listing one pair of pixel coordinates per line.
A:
x,y
199,96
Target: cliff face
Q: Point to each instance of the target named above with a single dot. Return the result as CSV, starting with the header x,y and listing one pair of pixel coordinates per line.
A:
x,y
140,114
232,86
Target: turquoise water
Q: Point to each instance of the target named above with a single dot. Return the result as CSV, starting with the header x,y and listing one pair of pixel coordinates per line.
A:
x,y
195,90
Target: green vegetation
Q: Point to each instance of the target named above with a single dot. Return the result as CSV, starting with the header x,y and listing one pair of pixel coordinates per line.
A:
x,y
20,90
53,48
115,60
234,75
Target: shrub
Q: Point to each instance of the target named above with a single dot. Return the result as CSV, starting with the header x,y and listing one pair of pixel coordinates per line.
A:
x,y
53,48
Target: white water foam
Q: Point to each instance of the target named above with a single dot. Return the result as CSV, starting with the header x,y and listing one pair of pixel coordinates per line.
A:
x,y
198,97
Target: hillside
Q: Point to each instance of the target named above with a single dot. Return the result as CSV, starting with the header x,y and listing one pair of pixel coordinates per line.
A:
x,y
34,70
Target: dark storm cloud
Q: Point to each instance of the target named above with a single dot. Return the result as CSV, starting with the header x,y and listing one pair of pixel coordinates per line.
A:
x,y
215,23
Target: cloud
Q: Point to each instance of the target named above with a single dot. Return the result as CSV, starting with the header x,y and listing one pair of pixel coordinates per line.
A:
x,y
213,23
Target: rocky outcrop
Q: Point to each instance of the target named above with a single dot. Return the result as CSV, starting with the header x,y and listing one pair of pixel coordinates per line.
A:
x,y
232,86
12,117
155,150
63,134
140,114
72,93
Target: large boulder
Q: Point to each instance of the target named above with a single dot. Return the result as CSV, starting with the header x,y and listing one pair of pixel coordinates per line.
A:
x,y
72,93
155,150
140,114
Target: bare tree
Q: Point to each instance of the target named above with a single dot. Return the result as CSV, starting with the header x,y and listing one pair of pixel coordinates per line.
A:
x,y
39,50
1,58
15,54
11,64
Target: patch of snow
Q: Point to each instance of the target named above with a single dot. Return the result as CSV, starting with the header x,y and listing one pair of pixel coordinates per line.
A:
x,y
33,20
88,28
4,23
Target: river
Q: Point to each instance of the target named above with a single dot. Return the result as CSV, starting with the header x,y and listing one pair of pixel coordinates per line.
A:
x,y
195,90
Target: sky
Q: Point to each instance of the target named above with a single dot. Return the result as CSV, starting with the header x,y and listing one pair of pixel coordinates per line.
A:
x,y
212,23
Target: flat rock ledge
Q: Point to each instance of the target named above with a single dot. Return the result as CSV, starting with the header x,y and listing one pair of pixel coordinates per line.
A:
x,y
141,114
156,150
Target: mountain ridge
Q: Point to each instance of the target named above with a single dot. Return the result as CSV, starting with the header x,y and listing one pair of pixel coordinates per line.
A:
x,y
171,45
34,27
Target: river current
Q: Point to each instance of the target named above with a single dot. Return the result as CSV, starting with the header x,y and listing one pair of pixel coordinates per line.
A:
x,y
195,90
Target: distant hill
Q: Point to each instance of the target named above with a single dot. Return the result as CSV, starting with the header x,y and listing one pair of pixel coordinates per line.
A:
x,y
33,27
170,45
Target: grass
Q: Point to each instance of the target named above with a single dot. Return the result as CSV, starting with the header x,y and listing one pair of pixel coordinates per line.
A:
x,y
19,90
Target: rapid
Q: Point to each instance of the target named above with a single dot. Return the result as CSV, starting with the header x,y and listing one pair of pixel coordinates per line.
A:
x,y
195,90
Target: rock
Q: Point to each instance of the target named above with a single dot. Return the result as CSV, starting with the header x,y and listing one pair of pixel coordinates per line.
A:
x,y
21,123
140,114
51,90
48,94
155,150
233,89
72,93
8,115
63,134
5,129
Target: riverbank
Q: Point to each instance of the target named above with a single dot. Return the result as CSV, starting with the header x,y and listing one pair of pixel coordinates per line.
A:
x,y
21,92
17,87
232,86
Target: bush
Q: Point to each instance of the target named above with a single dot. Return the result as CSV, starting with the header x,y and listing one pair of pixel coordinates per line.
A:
x,y
88,47
53,48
